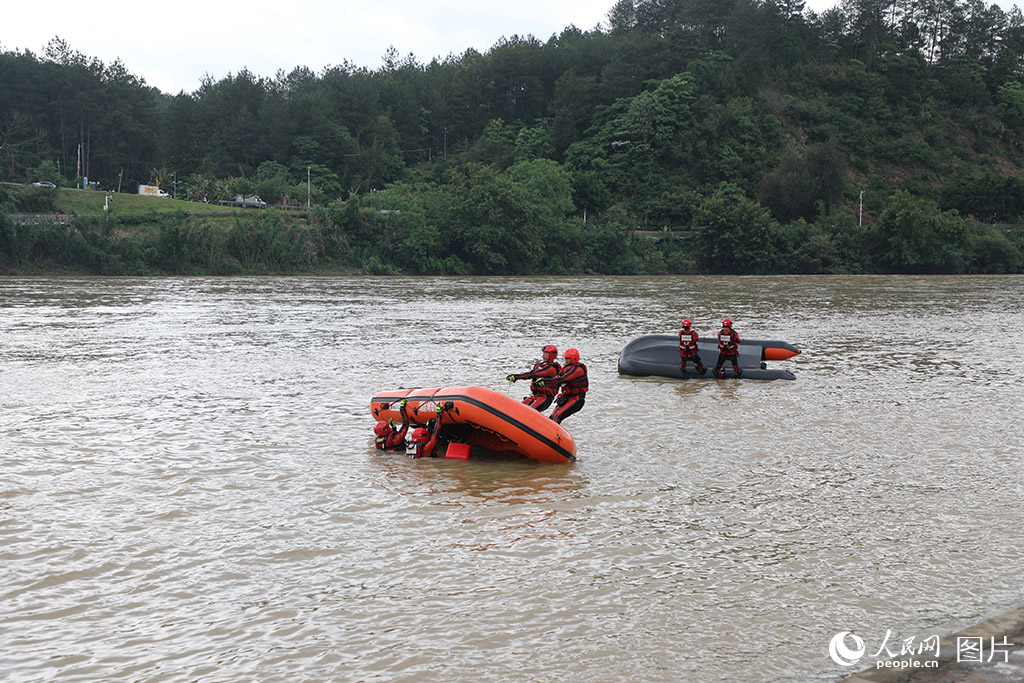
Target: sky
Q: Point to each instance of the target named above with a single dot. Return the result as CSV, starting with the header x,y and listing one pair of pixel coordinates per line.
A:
x,y
174,45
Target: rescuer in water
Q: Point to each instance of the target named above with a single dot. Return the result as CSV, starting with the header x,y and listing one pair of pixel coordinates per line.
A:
x,y
728,349
423,441
389,437
688,349
574,383
548,368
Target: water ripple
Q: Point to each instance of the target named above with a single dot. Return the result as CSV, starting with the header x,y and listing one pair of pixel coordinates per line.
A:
x,y
190,489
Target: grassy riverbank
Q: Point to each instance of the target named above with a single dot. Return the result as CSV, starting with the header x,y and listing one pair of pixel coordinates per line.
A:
x,y
131,207
57,231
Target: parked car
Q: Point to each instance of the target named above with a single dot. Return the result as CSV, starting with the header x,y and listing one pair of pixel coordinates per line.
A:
x,y
251,202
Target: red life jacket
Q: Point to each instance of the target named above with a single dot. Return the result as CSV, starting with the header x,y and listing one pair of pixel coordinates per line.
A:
x,y
392,441
424,448
728,342
578,385
536,373
688,343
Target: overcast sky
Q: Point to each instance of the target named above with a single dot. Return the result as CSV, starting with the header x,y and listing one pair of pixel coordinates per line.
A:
x,y
173,45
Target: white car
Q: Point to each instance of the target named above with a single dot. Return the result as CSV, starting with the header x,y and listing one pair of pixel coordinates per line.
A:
x,y
43,183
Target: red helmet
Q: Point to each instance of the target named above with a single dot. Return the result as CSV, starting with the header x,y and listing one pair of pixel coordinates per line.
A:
x,y
419,435
551,348
381,428
686,322
572,354
726,323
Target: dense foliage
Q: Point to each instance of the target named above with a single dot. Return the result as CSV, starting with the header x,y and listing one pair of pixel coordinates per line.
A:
x,y
722,136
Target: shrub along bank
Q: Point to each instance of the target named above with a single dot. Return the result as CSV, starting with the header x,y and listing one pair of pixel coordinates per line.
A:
x,y
486,227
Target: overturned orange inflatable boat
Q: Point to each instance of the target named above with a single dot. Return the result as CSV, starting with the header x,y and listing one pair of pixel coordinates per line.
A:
x,y
485,419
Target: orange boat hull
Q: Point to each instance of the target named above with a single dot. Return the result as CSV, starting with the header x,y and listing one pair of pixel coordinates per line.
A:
x,y
493,420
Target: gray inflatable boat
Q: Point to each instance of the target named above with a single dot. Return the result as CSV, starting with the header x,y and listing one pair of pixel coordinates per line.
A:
x,y
658,354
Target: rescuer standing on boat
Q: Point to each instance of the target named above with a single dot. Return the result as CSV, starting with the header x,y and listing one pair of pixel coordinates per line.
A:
x,y
728,349
389,437
688,349
574,383
541,395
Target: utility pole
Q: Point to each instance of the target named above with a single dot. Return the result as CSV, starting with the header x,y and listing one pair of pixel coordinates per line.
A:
x,y
860,211
308,191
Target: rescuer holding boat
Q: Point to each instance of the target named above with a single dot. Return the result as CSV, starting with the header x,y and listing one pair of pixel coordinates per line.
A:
x,y
688,349
728,349
389,437
548,368
574,383
423,441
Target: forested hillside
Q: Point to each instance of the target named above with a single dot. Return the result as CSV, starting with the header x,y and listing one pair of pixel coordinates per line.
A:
x,y
735,136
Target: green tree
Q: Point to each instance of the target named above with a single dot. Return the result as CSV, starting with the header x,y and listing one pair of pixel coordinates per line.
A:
x,y
1011,107
733,234
987,197
644,144
46,172
239,186
807,178
491,226
992,251
575,98
808,249
271,182
913,236
533,143
547,190
546,184
406,228
496,146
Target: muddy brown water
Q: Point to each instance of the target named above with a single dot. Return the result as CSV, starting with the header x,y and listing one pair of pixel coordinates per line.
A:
x,y
188,487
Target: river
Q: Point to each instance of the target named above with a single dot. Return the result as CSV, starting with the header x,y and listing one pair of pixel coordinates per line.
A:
x,y
189,490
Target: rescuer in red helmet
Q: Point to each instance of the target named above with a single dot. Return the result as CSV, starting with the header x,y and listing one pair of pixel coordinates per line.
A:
x,y
688,349
541,396
423,441
574,383
389,437
728,349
